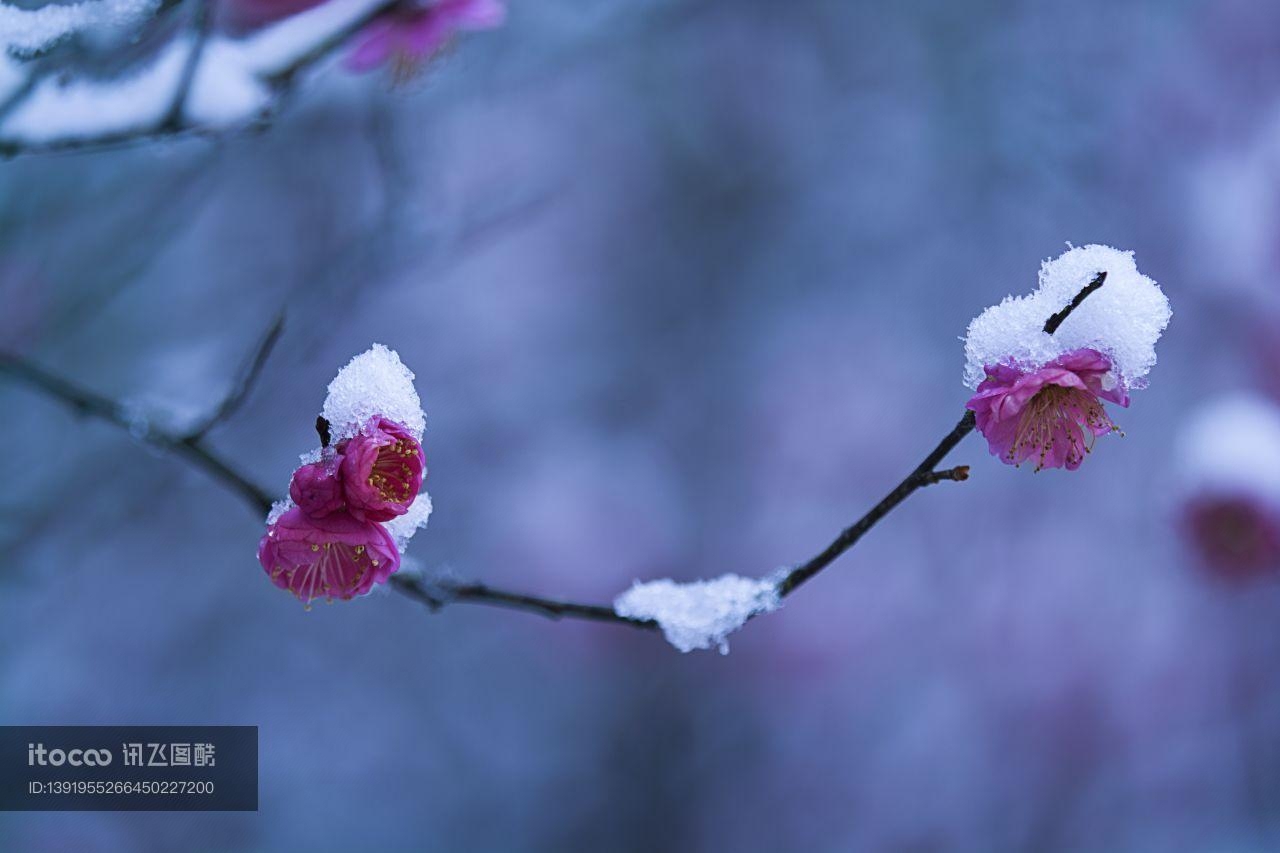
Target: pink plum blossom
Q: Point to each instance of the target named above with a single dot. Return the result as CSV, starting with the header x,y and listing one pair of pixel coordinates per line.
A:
x,y
336,556
1052,413
317,488
1237,536
382,468
407,37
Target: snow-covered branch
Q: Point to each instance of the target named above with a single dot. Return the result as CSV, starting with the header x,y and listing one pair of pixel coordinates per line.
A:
x,y
377,389
198,82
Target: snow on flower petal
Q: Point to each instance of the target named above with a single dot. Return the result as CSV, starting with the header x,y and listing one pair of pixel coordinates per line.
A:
x,y
336,556
1122,320
701,614
373,384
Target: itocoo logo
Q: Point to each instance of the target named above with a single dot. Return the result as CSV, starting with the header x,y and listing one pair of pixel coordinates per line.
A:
x,y
37,754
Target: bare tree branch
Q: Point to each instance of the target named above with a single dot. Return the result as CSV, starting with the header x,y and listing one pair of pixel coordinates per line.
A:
x,y
201,24
86,402
437,593
440,592
248,377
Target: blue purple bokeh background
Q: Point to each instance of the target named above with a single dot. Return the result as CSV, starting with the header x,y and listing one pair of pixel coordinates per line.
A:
x,y
683,285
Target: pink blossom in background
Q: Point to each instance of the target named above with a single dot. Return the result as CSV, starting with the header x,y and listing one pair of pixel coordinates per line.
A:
x,y
240,16
317,488
336,556
407,38
382,469
1052,413
1237,536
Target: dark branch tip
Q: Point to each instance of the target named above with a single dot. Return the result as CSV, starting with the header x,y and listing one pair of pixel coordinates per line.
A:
x,y
1051,325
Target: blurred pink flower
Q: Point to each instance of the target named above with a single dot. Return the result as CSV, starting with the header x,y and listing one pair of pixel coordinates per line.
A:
x,y
317,488
381,470
332,557
407,38
1052,413
240,16
1237,536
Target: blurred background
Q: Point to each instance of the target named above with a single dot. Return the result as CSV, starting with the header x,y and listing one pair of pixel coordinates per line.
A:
x,y
683,285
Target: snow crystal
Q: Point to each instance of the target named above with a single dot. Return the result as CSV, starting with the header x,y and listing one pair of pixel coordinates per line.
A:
x,y
279,508
701,614
224,90
402,527
1123,319
374,383
1232,446
27,31
56,110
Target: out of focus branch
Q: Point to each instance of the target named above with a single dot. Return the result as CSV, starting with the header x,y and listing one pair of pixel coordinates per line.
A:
x,y
201,24
91,404
440,592
175,121
244,384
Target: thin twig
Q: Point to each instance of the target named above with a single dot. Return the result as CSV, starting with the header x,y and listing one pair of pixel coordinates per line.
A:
x,y
1051,325
958,474
89,403
922,476
436,594
201,24
248,378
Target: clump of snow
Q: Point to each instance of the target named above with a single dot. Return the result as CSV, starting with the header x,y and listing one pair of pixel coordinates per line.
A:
x,y
27,31
312,456
57,109
1123,319
1232,446
701,614
224,89
374,383
403,527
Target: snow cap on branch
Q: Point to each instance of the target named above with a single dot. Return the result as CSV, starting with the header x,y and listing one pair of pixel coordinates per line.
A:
x,y
1228,465
701,614
1232,445
1122,320
28,31
373,384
